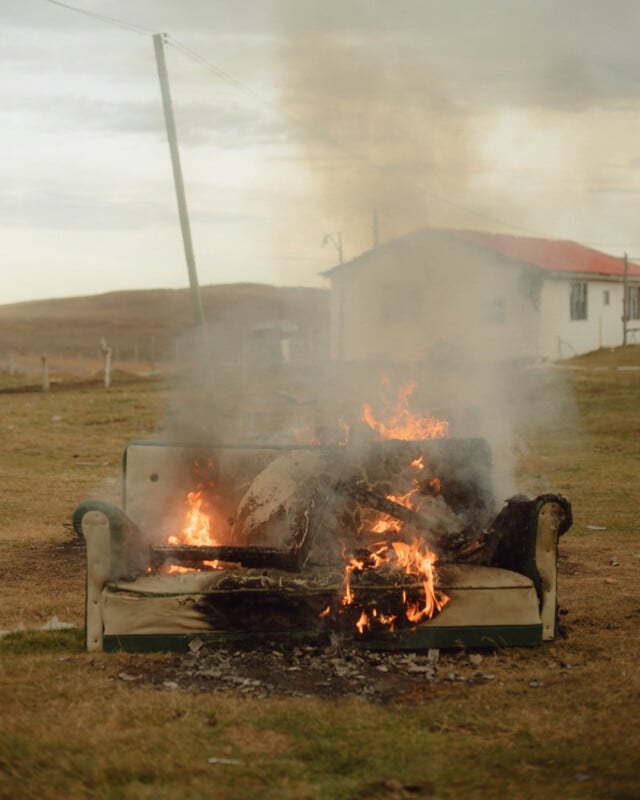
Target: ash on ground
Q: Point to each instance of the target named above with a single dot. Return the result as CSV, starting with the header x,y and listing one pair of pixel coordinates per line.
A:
x,y
308,671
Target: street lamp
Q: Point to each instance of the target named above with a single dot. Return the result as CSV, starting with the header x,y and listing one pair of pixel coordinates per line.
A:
x,y
336,241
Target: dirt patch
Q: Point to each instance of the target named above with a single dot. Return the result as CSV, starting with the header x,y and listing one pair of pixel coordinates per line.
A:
x,y
40,580
309,671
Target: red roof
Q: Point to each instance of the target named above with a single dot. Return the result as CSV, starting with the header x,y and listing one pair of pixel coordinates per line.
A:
x,y
550,254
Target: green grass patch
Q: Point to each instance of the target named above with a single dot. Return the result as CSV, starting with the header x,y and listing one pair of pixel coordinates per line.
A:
x,y
19,643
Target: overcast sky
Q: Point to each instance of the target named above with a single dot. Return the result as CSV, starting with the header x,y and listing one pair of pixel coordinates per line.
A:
x,y
298,118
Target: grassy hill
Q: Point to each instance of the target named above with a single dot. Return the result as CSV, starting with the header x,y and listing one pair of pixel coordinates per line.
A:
x,y
146,324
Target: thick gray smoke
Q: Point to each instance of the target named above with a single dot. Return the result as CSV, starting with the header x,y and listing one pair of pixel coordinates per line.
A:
x,y
376,123
388,106
384,110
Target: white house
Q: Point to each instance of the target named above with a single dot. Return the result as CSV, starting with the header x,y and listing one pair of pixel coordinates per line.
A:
x,y
469,295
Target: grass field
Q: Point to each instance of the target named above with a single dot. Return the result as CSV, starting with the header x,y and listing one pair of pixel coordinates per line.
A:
x,y
559,721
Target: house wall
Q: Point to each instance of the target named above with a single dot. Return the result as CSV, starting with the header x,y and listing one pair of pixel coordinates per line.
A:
x,y
431,296
562,337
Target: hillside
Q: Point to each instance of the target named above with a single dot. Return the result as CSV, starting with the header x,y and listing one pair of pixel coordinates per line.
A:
x,y
148,324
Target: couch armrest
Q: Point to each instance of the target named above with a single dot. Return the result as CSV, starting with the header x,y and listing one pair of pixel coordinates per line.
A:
x,y
525,540
114,552
552,517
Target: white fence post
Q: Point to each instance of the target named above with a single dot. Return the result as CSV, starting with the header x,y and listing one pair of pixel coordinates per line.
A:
x,y
106,352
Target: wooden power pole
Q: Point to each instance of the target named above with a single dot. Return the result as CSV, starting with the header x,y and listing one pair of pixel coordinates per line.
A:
x,y
158,44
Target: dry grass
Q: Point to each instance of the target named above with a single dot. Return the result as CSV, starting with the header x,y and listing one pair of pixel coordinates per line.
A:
x,y
70,728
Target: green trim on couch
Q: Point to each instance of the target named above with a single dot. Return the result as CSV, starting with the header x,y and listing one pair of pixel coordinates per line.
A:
x,y
423,638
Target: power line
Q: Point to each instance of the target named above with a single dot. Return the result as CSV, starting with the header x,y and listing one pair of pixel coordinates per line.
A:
x,y
128,26
263,102
218,71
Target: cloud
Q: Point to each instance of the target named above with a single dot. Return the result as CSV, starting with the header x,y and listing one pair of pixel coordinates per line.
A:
x,y
543,53
42,208
223,125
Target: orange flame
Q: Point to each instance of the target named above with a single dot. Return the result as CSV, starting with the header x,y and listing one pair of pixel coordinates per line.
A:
x,y
416,559
199,518
404,499
199,514
197,524
174,569
387,524
354,563
402,423
386,619
373,561
363,621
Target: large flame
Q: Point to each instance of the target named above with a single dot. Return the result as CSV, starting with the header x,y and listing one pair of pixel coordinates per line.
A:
x,y
199,517
400,422
415,559
197,525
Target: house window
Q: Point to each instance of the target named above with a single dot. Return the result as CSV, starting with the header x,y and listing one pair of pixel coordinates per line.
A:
x,y
633,302
578,301
606,299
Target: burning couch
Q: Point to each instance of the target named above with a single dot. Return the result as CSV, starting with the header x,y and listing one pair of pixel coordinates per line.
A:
x,y
388,544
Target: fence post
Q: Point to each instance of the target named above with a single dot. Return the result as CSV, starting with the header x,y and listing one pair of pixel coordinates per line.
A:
x,y
46,385
106,354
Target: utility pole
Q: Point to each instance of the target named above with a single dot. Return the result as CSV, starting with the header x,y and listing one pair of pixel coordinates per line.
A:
x,y
625,302
336,241
158,44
